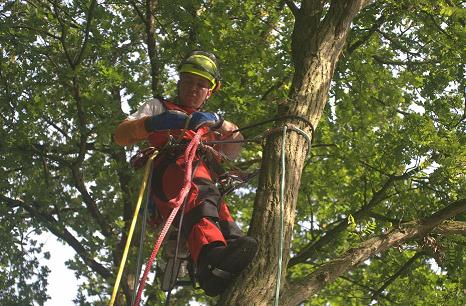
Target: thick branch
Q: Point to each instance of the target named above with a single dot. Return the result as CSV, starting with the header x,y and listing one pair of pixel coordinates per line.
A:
x,y
339,17
332,234
314,282
59,231
90,16
89,201
81,122
451,228
292,6
151,46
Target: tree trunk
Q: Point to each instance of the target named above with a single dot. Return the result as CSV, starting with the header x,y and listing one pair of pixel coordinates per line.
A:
x,y
318,38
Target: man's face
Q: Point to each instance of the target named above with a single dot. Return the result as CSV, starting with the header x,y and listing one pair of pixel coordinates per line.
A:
x,y
193,90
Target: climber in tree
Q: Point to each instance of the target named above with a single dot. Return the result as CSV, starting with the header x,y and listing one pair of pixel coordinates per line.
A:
x,y
217,246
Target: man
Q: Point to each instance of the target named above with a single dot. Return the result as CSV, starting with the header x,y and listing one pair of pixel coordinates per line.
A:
x,y
216,244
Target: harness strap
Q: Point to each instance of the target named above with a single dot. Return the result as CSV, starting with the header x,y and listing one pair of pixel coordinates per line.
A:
x,y
206,209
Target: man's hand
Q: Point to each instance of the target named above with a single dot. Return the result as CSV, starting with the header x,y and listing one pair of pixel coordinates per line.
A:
x,y
199,119
169,120
231,150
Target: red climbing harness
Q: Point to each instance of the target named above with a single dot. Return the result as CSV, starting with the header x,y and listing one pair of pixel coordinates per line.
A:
x,y
189,155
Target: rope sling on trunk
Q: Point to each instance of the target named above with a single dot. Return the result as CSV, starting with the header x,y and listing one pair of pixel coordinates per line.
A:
x,y
282,205
281,230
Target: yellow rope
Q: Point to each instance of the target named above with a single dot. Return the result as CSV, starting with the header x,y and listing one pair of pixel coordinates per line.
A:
x,y
133,225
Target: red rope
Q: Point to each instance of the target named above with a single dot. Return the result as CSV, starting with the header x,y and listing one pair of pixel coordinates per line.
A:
x,y
189,155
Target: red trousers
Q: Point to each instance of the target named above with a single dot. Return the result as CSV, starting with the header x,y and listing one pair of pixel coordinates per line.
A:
x,y
206,216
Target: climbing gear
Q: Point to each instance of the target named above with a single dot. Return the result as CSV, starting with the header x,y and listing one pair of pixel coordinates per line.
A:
x,y
143,229
189,157
281,118
204,270
219,264
147,174
178,263
181,259
203,64
141,157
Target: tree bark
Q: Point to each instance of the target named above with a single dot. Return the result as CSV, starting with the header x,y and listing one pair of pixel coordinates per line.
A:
x,y
318,38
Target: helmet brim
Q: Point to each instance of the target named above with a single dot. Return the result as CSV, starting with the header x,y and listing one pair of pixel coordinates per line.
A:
x,y
190,68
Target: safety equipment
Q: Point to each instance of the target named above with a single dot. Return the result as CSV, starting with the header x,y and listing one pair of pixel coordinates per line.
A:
x,y
199,119
169,120
203,64
159,139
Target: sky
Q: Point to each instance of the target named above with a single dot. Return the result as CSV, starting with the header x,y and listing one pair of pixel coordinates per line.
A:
x,y
63,285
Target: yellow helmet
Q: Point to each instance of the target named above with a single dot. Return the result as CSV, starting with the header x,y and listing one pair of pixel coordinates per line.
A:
x,y
203,64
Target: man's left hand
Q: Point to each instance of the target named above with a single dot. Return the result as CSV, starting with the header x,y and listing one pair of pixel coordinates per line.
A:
x,y
199,119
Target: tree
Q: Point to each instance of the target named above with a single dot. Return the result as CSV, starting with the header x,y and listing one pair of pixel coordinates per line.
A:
x,y
381,83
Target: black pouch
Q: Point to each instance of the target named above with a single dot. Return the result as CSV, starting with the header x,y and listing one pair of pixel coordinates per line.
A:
x,y
138,160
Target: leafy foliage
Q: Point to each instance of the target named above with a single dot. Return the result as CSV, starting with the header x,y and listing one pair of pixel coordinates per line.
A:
x,y
389,148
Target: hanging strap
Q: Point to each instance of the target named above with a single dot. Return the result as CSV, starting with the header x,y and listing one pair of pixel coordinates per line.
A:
x,y
142,235
281,230
189,155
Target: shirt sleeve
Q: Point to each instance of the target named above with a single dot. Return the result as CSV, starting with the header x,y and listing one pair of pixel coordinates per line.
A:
x,y
132,130
149,108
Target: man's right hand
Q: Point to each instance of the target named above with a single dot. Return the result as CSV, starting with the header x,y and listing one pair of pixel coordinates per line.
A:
x,y
169,120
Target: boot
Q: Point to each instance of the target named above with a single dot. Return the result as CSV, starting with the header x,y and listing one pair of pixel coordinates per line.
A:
x,y
218,265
